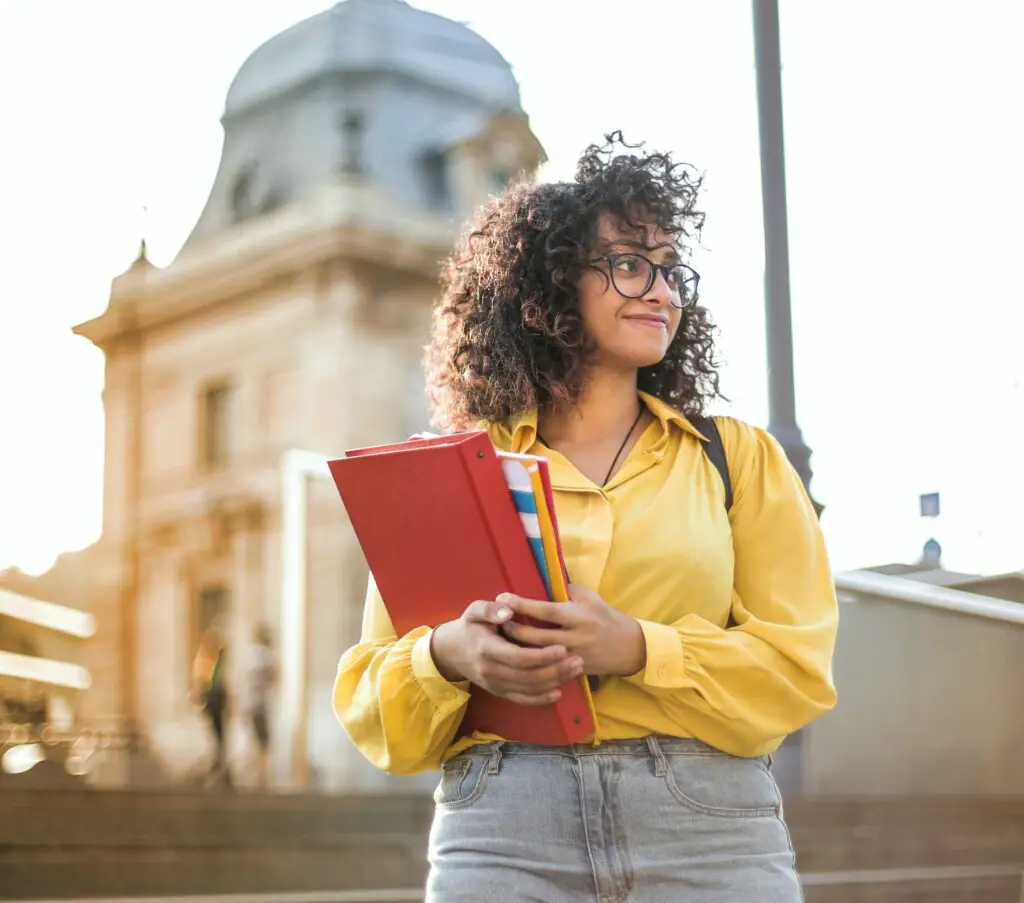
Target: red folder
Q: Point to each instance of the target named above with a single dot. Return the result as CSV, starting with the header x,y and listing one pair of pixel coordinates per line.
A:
x,y
439,530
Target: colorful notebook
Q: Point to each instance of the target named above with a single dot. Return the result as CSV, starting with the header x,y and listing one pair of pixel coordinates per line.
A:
x,y
525,472
549,538
549,498
520,484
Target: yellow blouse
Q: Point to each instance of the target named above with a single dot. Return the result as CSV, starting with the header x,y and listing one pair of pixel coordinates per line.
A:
x,y
656,542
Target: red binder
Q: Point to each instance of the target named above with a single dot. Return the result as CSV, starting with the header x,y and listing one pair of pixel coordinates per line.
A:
x,y
439,529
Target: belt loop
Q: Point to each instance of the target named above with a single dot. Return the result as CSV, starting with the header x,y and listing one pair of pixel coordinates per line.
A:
x,y
660,763
494,765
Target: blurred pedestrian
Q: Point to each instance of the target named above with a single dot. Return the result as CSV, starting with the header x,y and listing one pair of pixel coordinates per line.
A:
x,y
210,689
261,678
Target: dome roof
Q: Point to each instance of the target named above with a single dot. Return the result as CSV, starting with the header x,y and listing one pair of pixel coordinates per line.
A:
x,y
377,35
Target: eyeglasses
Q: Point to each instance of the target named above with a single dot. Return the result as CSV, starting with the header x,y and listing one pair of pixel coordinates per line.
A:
x,y
633,275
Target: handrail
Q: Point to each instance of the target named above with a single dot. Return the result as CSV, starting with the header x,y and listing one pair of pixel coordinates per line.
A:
x,y
70,621
44,671
900,589
919,873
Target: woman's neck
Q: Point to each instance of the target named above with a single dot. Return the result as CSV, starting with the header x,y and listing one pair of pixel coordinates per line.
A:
x,y
608,408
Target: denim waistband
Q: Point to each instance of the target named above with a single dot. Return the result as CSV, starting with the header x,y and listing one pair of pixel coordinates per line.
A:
x,y
654,747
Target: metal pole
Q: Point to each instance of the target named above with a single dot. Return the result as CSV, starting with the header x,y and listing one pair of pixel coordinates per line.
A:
x,y
778,319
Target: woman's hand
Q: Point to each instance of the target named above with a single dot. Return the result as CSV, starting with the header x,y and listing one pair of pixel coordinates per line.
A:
x,y
608,641
472,649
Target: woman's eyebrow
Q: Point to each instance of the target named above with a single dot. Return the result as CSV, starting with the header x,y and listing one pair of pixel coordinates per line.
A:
x,y
630,243
671,252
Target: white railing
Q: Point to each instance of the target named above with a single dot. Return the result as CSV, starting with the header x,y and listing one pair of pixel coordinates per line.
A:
x,y
901,589
297,468
21,747
60,618
49,616
44,671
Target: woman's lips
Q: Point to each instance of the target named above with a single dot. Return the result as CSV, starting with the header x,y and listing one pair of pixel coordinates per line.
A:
x,y
653,321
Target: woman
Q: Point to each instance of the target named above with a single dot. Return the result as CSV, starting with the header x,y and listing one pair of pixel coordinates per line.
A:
x,y
568,325
209,689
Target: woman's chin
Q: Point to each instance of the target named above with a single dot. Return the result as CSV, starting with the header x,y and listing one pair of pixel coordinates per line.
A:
x,y
638,358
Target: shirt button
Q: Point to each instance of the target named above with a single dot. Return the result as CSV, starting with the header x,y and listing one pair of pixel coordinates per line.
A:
x,y
663,672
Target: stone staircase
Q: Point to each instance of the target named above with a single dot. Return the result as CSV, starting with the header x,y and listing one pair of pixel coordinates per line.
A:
x,y
55,844
61,844
957,850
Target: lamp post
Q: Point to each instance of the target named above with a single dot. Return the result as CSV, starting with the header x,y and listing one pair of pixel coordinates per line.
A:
x,y
778,317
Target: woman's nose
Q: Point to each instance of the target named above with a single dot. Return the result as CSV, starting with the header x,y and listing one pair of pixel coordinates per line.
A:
x,y
659,292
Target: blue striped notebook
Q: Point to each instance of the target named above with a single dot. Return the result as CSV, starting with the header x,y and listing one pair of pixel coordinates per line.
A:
x,y
521,487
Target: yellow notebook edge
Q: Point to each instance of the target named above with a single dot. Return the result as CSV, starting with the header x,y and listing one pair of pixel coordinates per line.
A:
x,y
559,590
550,543
548,538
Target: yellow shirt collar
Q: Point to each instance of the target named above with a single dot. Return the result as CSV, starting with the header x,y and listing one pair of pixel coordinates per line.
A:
x,y
521,433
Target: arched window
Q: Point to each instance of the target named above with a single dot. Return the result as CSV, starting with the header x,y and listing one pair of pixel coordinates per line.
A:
x,y
436,182
243,197
500,179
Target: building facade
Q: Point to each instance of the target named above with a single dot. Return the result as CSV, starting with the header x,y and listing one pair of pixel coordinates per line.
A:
x,y
293,318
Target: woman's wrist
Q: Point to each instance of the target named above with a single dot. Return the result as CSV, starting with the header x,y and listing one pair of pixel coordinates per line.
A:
x,y
442,652
634,650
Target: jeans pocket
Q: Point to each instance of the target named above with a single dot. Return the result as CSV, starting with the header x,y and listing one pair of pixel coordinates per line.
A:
x,y
462,781
724,785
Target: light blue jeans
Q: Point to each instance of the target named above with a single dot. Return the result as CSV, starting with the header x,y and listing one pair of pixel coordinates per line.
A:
x,y
638,821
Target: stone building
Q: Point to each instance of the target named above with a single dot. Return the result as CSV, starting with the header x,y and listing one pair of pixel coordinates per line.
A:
x,y
294,317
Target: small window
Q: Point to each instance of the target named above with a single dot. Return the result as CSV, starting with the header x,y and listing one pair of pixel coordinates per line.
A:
x,y
353,130
214,426
500,180
435,173
243,193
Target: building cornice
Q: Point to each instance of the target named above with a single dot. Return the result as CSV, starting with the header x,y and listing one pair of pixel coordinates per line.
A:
x,y
347,220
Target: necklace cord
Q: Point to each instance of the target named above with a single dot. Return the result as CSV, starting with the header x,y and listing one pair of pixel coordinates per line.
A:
x,y
615,460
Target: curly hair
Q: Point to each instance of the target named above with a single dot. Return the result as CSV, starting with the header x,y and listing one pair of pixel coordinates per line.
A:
x,y
507,335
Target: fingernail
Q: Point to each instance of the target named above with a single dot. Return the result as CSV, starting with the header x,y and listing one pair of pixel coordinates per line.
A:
x,y
505,597
503,613
577,663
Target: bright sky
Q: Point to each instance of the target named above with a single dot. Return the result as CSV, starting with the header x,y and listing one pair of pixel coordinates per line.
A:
x,y
905,197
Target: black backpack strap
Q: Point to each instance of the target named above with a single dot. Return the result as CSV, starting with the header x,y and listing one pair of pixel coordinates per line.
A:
x,y
715,451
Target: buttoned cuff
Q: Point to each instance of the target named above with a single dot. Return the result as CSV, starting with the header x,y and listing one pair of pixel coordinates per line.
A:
x,y
665,668
443,693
